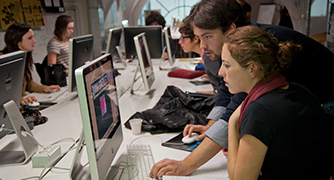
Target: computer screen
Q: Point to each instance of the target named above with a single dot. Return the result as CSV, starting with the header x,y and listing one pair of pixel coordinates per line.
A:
x,y
153,36
144,59
114,38
80,51
100,115
170,54
11,77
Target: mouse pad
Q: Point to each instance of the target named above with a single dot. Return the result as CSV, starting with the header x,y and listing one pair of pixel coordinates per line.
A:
x,y
176,143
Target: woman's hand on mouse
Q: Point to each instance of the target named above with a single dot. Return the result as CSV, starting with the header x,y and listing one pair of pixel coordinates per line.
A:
x,y
29,99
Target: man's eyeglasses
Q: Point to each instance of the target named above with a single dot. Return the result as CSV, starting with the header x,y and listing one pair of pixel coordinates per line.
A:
x,y
184,37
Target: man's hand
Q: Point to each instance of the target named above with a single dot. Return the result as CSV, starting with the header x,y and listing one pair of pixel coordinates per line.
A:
x,y
190,128
169,167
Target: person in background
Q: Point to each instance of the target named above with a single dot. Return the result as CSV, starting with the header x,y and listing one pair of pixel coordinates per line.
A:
x,y
188,41
246,7
191,43
272,124
285,18
21,37
156,19
58,46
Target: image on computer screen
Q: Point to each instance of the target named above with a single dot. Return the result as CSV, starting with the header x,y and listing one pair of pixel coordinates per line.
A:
x,y
153,36
105,111
102,102
100,114
80,51
144,60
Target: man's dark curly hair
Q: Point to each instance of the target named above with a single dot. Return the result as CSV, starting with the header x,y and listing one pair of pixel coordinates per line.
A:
x,y
155,17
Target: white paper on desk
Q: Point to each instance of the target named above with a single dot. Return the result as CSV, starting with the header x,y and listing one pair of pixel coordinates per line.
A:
x,y
215,169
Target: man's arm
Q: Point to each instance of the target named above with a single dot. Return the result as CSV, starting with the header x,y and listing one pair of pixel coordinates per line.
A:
x,y
204,152
218,131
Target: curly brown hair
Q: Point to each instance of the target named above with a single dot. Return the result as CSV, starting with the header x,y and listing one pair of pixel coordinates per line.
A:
x,y
251,43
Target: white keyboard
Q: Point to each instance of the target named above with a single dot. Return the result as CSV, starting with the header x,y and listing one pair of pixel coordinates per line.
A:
x,y
140,161
54,95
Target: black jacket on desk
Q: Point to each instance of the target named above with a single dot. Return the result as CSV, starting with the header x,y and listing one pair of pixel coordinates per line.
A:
x,y
174,111
312,68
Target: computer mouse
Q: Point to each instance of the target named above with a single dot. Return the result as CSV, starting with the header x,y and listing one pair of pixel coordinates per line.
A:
x,y
34,104
191,139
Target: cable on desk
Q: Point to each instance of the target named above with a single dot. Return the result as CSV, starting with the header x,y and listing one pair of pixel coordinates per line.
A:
x,y
41,176
33,137
145,137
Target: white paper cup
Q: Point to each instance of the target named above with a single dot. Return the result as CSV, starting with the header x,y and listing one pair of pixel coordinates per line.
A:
x,y
136,126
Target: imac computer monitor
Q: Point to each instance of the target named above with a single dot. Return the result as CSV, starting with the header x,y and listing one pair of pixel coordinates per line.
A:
x,y
100,115
170,54
114,49
11,77
144,60
114,38
153,36
80,51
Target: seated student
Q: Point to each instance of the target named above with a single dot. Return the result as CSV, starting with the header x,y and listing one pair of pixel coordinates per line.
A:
x,y
21,37
58,46
156,19
280,130
191,43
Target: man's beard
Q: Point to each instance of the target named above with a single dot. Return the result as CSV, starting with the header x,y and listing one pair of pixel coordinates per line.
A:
x,y
215,57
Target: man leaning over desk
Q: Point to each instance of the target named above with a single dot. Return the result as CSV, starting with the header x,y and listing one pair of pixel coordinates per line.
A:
x,y
313,68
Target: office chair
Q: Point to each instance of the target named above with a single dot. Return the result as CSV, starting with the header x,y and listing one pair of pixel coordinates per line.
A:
x,y
40,69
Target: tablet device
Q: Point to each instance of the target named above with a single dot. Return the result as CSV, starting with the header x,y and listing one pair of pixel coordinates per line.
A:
x,y
176,143
198,82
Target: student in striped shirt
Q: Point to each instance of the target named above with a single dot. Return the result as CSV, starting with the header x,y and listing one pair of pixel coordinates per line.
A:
x,y
58,48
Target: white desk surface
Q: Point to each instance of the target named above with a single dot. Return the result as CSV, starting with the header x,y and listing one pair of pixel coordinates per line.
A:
x,y
65,121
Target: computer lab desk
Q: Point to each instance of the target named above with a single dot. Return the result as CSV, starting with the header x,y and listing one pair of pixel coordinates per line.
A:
x,y
65,122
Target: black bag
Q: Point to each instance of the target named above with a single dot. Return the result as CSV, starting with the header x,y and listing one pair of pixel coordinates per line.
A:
x,y
32,117
175,110
55,74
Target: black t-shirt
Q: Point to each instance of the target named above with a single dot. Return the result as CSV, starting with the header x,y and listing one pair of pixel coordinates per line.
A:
x,y
292,124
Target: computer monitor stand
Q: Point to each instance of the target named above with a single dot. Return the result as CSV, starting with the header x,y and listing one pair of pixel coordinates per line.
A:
x,y
164,64
82,172
148,93
10,155
120,63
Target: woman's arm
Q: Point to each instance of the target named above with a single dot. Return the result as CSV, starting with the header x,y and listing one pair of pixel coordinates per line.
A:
x,y
250,158
233,142
245,156
52,58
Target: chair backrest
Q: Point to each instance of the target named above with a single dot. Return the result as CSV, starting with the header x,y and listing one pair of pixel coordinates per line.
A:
x,y
40,69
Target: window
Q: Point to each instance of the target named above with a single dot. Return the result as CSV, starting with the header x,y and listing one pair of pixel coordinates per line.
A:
x,y
168,9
